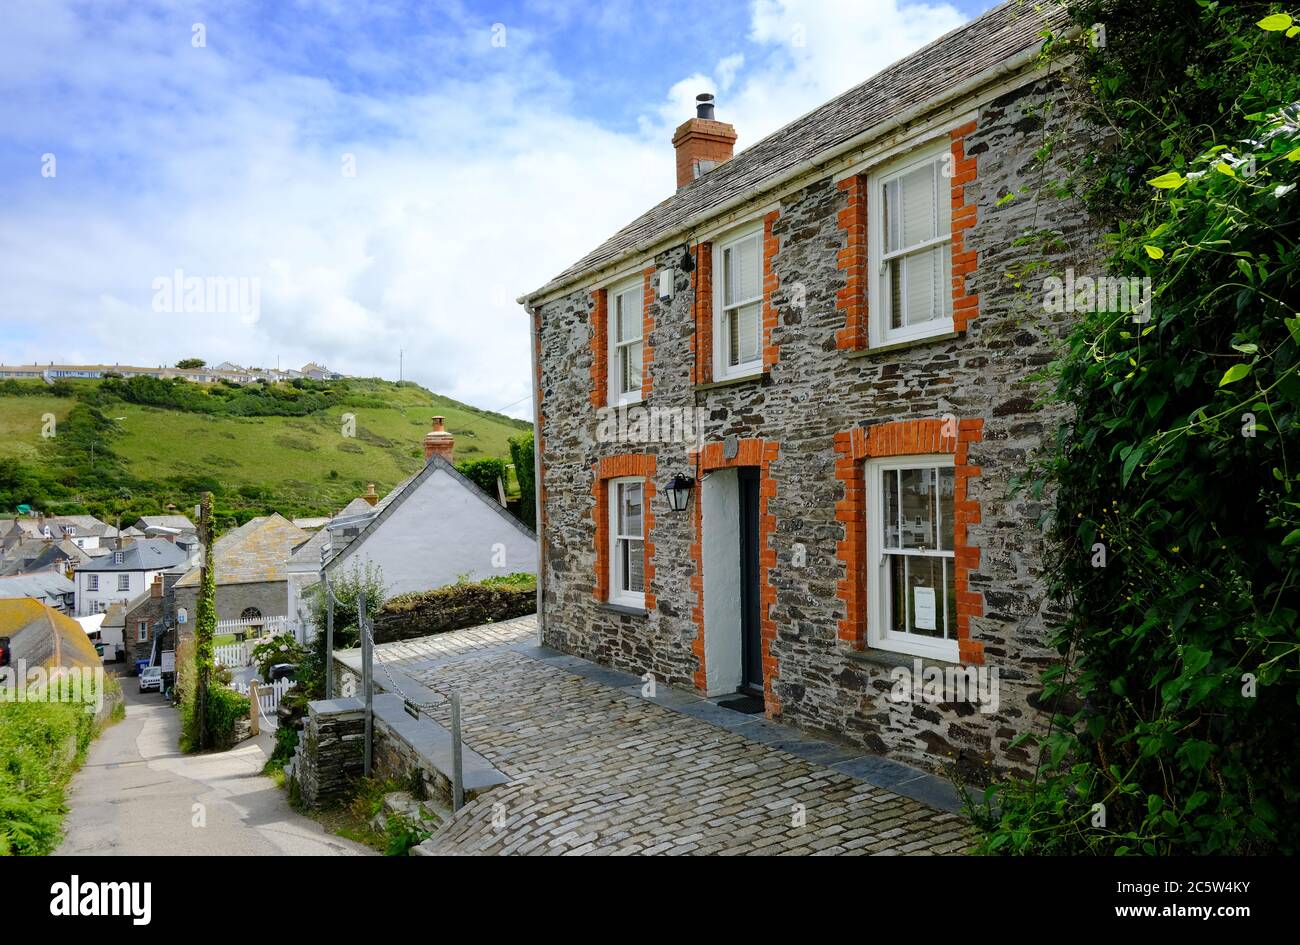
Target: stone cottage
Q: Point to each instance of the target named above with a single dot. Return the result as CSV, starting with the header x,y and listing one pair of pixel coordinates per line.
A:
x,y
781,412
252,583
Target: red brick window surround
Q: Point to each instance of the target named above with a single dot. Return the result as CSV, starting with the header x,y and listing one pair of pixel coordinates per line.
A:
x,y
851,300
771,247
647,327
906,438
708,312
622,466
599,347
758,453
702,337
854,299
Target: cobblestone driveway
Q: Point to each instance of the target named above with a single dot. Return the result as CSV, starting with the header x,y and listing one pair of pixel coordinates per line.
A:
x,y
596,768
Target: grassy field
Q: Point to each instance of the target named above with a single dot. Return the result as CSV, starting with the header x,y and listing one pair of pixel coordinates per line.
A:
x,y
299,464
21,423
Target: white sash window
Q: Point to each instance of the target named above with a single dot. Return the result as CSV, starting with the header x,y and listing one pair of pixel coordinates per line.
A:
x,y
911,580
738,304
626,344
627,542
911,248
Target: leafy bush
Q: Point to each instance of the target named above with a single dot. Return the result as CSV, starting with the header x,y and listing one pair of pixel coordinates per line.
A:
x,y
41,745
521,454
484,473
1177,697
281,648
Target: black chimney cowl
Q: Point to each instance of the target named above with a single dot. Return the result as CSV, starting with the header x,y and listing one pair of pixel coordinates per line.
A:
x,y
704,106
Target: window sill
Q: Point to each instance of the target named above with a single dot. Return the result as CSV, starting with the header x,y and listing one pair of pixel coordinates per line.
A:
x,y
891,659
623,609
760,376
903,345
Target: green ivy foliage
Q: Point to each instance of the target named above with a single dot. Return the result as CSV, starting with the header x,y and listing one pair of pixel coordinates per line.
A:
x,y
1177,531
521,454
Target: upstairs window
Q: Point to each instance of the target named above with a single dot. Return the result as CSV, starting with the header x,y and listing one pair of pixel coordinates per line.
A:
x,y
738,305
911,248
124,582
627,310
92,582
627,542
912,578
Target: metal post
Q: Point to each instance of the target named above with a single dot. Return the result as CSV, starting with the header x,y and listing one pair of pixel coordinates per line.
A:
x,y
457,777
367,674
329,633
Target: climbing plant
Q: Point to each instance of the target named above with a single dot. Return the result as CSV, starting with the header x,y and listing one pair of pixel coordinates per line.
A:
x,y
1177,488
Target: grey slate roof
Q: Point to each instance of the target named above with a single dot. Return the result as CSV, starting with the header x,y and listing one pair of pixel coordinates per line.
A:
x,y
309,551
40,585
146,554
389,504
923,76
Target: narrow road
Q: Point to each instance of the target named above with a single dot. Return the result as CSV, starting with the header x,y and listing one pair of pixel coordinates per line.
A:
x,y
138,795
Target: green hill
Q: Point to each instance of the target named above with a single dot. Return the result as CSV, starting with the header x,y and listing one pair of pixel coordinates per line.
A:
x,y
135,446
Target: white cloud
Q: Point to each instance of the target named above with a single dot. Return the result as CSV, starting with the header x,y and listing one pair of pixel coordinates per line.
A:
x,y
465,196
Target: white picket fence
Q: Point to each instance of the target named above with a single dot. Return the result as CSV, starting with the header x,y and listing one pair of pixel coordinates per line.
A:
x,y
262,626
233,655
268,695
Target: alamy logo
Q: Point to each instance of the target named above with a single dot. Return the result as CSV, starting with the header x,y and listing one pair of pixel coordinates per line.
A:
x,y
103,899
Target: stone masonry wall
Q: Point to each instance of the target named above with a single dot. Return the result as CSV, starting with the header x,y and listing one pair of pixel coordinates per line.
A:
x,y
815,387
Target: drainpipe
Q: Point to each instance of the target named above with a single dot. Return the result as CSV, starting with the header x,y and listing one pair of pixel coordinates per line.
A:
x,y
535,336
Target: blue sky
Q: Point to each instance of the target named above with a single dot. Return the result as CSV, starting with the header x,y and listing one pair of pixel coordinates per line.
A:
x,y
491,143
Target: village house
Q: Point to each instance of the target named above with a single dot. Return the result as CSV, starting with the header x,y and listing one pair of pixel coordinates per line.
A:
x,y
433,529
124,572
251,577
148,614
51,588
780,414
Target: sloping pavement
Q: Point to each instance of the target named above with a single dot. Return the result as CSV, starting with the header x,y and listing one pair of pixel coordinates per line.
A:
x,y
138,795
596,767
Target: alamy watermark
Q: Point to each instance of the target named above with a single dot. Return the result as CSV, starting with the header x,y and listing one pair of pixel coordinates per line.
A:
x,y
977,685
214,295
632,424
1130,294
76,685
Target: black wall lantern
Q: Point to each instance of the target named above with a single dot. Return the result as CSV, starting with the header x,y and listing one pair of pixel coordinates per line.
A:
x,y
678,491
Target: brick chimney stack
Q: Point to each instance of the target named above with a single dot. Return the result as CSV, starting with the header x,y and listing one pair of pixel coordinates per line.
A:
x,y
702,143
371,495
156,588
438,442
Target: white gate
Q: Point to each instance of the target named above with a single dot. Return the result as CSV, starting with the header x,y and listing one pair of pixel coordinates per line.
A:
x,y
233,655
269,694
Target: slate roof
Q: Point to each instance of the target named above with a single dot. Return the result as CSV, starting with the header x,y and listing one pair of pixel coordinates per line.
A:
x,y
389,504
255,552
39,585
309,551
167,521
71,645
912,82
145,554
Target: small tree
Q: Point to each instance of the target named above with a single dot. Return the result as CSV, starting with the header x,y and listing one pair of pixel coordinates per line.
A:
x,y
521,454
189,364
205,625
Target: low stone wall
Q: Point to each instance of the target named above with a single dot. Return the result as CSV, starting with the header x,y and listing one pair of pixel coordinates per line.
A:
x,y
450,608
331,751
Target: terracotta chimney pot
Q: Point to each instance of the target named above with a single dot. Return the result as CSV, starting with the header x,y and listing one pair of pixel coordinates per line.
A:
x,y
438,442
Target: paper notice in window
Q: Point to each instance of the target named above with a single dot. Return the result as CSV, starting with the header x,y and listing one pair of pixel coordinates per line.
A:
x,y
923,607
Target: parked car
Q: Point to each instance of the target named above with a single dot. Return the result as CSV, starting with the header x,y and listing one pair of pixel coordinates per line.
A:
x,y
283,671
151,679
